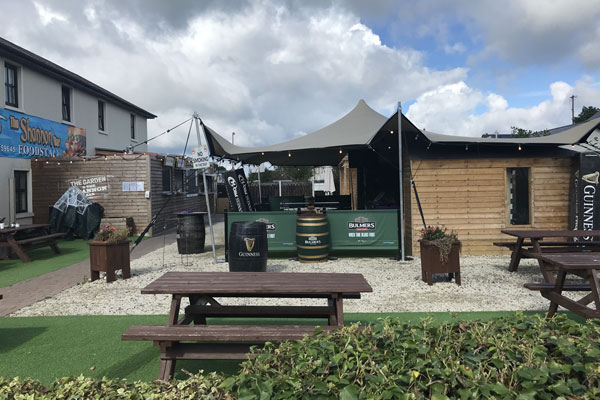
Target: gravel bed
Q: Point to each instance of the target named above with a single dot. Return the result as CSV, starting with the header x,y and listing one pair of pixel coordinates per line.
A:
x,y
397,286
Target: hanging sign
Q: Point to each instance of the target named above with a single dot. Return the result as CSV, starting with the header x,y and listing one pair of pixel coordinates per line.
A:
x,y
25,136
585,194
200,157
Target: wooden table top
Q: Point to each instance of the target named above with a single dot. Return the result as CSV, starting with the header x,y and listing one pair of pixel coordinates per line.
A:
x,y
8,229
573,260
538,234
257,283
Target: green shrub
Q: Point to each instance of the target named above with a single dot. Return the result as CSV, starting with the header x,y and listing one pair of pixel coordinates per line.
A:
x,y
507,358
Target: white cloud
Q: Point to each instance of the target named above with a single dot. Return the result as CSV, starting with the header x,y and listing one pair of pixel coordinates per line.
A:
x,y
452,109
48,15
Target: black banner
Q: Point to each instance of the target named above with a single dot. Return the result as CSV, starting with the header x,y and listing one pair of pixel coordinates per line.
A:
x,y
241,177
234,191
585,199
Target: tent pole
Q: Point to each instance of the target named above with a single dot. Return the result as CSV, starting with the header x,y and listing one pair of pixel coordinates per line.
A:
x,y
400,191
259,191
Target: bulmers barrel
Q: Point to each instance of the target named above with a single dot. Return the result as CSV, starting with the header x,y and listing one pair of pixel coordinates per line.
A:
x,y
248,247
190,232
312,237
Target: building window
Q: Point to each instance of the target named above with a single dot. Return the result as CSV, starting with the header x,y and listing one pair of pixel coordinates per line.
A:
x,y
11,91
517,193
66,103
101,108
191,181
179,174
166,179
21,191
132,119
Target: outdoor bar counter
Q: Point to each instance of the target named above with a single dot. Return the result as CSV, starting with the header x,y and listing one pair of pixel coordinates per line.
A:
x,y
352,232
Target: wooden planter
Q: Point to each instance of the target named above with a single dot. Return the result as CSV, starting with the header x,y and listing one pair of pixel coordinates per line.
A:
x,y
432,264
109,257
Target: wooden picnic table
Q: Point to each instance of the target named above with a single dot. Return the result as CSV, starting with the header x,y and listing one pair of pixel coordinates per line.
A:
x,y
536,245
584,265
27,237
231,341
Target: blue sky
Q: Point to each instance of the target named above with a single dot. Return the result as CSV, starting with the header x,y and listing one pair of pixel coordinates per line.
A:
x,y
271,71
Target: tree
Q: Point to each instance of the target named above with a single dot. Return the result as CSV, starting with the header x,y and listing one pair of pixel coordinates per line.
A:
x,y
524,133
585,114
296,174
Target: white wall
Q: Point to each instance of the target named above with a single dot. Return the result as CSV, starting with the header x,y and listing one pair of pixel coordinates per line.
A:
x,y
40,96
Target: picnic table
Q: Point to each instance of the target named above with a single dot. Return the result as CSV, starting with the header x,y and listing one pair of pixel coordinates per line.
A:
x,y
531,243
233,341
27,237
584,265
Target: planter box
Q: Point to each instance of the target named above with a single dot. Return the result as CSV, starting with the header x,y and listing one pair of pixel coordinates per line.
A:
x,y
432,264
109,257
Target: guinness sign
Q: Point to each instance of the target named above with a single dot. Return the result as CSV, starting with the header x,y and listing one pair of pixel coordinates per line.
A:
x,y
585,196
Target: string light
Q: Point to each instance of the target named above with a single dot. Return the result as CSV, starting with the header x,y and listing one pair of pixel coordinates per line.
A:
x,y
262,153
467,147
70,161
47,162
392,132
520,148
36,160
289,154
340,151
58,163
105,158
389,147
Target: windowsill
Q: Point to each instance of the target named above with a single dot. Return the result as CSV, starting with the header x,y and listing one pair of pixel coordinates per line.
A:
x,y
13,108
167,193
24,215
103,133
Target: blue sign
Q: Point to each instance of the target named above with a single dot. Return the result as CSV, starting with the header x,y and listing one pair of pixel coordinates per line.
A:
x,y
25,136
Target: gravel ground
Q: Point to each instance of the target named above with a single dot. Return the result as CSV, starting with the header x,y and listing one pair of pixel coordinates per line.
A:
x,y
397,286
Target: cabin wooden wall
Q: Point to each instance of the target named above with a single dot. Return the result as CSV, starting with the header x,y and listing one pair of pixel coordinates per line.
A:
x,y
50,180
469,197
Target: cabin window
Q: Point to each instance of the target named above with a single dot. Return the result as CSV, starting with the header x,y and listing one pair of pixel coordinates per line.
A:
x,y
191,181
517,193
21,191
179,174
11,91
166,179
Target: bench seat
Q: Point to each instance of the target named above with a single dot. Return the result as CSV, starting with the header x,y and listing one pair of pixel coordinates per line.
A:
x,y
46,238
221,333
220,342
550,244
568,287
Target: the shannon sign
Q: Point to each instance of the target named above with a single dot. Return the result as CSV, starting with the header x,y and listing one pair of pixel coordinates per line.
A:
x,y
25,136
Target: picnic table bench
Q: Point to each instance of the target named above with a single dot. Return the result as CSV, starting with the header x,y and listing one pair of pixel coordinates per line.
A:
x,y
530,244
583,265
28,237
232,342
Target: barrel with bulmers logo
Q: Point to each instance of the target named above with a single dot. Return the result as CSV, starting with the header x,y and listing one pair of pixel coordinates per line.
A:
x,y
248,247
312,237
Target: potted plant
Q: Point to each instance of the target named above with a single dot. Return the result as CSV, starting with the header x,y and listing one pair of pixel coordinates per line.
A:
x,y
109,251
439,253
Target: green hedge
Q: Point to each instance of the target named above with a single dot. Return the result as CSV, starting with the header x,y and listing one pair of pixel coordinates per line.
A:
x,y
520,357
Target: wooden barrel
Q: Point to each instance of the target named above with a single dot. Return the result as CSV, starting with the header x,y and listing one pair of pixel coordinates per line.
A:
x,y
312,237
248,247
190,233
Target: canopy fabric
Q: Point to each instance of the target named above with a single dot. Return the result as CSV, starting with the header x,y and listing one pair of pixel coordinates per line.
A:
x,y
572,135
327,146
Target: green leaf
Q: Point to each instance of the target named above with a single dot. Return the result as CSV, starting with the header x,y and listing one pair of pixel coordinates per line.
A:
x,y
349,392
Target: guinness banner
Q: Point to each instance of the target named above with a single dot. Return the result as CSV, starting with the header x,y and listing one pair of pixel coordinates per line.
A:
x,y
241,177
234,191
585,199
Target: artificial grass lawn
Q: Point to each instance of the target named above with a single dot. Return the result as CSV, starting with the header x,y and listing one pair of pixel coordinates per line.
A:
x,y
47,348
44,260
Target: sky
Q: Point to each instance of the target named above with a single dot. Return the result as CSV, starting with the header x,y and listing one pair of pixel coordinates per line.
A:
x,y
271,71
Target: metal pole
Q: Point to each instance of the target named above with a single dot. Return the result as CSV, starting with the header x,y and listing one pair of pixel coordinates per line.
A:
x,y
232,136
400,191
212,232
279,188
259,191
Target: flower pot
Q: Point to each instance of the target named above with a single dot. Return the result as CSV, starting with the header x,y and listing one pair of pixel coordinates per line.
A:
x,y
109,257
433,263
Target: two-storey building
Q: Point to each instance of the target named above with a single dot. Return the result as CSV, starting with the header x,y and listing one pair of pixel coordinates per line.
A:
x,y
47,111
